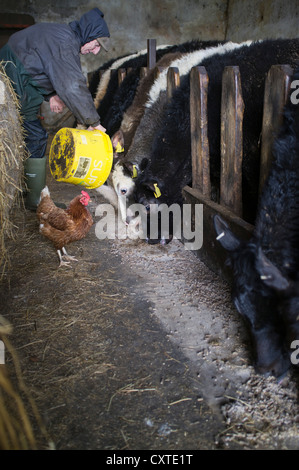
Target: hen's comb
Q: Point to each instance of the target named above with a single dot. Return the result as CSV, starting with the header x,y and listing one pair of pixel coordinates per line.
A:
x,y
85,194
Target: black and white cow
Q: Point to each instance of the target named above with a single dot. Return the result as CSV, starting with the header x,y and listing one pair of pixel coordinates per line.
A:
x,y
169,159
265,269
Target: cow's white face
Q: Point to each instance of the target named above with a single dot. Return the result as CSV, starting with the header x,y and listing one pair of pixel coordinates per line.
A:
x,y
123,184
124,187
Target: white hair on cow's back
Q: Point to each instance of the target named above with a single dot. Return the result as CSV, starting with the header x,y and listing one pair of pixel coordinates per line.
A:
x,y
103,84
185,64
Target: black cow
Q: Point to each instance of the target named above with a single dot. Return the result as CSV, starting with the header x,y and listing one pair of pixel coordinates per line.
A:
x,y
265,269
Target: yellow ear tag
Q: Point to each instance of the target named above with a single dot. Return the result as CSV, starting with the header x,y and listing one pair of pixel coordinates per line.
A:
x,y
119,148
135,174
157,192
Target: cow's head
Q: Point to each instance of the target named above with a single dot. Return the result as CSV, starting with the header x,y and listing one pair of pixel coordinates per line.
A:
x,y
256,301
288,293
157,220
123,176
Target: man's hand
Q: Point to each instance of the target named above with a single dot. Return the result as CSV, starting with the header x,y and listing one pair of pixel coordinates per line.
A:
x,y
56,104
99,128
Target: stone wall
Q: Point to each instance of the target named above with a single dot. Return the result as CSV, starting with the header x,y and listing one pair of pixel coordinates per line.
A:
x,y
258,19
169,21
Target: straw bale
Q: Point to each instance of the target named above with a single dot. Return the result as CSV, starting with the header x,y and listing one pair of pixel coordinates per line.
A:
x,y
12,155
18,411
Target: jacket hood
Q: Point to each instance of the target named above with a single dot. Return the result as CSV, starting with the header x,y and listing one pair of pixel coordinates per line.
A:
x,y
91,26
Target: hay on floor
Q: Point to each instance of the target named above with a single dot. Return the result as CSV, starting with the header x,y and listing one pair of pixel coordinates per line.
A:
x,y
19,417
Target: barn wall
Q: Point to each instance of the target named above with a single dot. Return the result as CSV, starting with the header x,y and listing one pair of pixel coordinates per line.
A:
x,y
169,21
258,19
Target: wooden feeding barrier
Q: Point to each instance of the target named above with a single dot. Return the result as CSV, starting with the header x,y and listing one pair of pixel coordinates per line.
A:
x,y
232,110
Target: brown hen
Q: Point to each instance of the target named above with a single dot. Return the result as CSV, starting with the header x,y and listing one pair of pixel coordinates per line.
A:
x,y
64,226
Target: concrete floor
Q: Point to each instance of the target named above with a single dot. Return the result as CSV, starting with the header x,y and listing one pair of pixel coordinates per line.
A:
x,y
137,346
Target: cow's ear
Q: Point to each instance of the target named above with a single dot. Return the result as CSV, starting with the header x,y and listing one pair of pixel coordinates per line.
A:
x,y
132,169
118,143
225,236
269,273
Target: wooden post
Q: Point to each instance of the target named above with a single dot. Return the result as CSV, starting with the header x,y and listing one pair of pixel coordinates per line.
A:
x,y
151,53
199,81
143,72
89,77
173,80
121,75
276,91
232,110
101,73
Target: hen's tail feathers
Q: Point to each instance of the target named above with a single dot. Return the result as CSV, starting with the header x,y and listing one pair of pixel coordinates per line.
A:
x,y
44,192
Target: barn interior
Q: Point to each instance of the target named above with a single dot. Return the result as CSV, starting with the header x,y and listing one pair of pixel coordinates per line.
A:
x,y
135,346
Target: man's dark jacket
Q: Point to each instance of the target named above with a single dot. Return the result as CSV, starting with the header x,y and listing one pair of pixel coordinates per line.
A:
x,y
44,59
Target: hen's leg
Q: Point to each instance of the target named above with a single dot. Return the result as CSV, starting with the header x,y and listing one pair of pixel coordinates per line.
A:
x,y
62,263
67,256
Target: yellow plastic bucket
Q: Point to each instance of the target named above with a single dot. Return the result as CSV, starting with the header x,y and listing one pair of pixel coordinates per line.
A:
x,y
81,157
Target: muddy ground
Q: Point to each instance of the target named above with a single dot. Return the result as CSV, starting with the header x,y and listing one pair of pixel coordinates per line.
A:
x,y
137,346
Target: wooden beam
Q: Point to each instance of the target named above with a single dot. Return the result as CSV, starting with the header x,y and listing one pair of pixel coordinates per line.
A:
x,y
211,251
200,153
173,81
143,72
276,91
232,110
15,20
151,53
